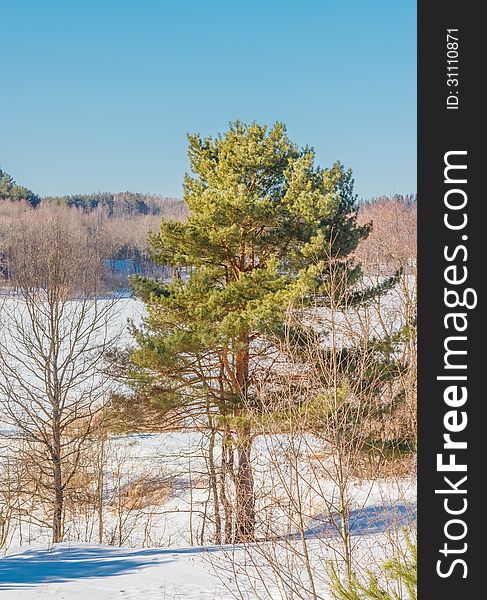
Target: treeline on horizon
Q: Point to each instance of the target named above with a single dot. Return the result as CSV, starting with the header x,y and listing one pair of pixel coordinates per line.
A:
x,y
123,221
115,204
123,203
134,202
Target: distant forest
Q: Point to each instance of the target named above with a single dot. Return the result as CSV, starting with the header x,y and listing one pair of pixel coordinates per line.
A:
x,y
123,203
113,204
122,222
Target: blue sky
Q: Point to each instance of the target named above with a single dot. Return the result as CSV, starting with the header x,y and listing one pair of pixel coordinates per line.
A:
x,y
98,95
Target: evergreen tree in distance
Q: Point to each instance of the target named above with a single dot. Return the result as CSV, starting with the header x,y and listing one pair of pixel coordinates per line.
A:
x,y
264,223
10,190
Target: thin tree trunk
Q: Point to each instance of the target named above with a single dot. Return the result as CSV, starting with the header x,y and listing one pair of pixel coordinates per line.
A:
x,y
227,505
57,517
244,483
242,476
190,473
214,487
244,480
100,485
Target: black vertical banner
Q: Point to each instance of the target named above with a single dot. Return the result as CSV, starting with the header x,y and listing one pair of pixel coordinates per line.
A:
x,y
452,417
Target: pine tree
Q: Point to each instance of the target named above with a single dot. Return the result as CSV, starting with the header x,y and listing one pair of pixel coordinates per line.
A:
x,y
10,190
264,224
400,572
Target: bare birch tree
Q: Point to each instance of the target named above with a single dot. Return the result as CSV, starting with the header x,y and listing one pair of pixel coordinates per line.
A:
x,y
55,332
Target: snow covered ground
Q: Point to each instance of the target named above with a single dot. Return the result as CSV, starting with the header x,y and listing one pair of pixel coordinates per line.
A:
x,y
176,570
168,563
84,572
92,572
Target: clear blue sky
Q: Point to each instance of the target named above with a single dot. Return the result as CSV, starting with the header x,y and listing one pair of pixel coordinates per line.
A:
x,y
98,95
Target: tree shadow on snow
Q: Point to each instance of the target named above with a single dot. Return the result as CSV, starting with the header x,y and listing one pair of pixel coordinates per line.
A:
x,y
365,521
64,563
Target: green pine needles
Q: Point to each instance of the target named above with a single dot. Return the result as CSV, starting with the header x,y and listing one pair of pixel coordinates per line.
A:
x,y
397,579
264,224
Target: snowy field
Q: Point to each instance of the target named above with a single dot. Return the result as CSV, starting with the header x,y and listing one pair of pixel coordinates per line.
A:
x,y
84,572
175,570
166,560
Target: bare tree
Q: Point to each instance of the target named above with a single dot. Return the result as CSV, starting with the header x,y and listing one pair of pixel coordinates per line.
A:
x,y
55,332
391,247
